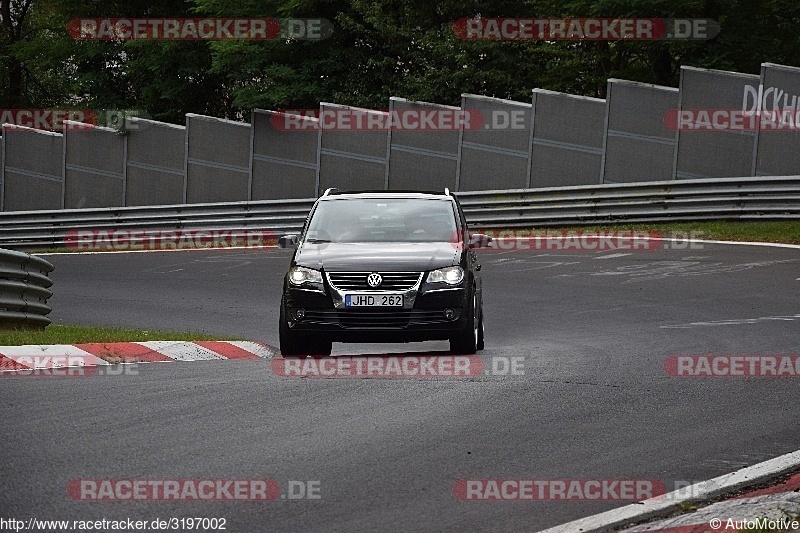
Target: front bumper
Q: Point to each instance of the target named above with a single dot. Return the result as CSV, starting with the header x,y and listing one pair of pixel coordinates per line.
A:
x,y
422,316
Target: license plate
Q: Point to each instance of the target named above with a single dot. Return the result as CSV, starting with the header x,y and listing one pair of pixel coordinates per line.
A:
x,y
373,300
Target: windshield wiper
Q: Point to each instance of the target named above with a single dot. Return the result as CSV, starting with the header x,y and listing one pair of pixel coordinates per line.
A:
x,y
318,241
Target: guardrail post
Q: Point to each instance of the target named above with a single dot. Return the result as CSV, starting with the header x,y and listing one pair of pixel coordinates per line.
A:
x,y
319,153
2,169
186,163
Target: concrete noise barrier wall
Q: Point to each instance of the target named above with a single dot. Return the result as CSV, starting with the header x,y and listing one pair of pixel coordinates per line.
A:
x,y
710,145
33,169
284,155
352,154
217,159
717,124
567,145
155,165
94,166
423,145
640,145
778,143
495,145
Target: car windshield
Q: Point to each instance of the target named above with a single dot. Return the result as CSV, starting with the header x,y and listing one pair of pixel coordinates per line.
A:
x,y
383,220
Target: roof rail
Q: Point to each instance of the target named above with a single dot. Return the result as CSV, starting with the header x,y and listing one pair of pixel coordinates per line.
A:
x,y
330,191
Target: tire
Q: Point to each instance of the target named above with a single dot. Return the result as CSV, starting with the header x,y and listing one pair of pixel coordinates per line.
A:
x,y
293,346
287,339
480,330
466,342
318,347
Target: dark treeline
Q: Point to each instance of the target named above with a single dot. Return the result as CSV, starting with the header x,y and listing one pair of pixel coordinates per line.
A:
x,y
378,49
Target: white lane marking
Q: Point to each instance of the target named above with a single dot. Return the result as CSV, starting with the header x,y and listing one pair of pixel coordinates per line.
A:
x,y
664,269
699,491
182,350
545,264
741,243
39,353
733,322
506,260
611,256
561,255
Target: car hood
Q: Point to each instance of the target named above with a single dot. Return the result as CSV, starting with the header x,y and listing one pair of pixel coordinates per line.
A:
x,y
385,256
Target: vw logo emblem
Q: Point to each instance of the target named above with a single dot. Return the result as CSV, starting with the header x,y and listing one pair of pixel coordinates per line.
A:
x,y
374,280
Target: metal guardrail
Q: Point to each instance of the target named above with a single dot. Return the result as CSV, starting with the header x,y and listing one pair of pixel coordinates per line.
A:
x,y
761,198
24,290
752,198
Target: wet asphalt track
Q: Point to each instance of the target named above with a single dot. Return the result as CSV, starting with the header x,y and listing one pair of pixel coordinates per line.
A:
x,y
594,402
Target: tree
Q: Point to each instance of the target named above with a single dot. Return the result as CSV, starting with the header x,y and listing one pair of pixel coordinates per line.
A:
x,y
15,26
402,48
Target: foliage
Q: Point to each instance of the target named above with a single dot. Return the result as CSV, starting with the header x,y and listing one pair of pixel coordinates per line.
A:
x,y
378,49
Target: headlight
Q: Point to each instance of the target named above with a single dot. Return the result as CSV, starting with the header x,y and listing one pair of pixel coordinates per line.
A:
x,y
300,275
450,275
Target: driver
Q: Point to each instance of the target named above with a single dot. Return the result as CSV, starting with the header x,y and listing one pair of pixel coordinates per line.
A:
x,y
349,228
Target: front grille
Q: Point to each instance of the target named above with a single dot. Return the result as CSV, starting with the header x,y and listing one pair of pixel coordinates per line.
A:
x,y
357,281
373,318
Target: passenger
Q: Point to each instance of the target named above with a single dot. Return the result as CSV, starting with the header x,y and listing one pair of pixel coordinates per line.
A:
x,y
415,226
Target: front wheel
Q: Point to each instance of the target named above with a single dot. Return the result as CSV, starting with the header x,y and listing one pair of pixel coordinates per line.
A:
x,y
480,330
470,340
292,345
287,339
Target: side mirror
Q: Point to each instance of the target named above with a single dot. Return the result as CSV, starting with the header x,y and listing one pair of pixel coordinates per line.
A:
x,y
479,240
288,241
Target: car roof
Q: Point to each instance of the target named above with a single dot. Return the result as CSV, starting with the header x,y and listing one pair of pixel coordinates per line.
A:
x,y
386,194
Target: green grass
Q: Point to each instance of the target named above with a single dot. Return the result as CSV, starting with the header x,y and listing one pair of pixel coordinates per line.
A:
x,y
780,231
688,506
60,334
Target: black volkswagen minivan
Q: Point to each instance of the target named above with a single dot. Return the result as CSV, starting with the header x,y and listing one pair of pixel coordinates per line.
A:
x,y
382,267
